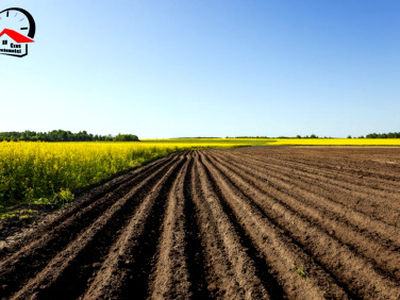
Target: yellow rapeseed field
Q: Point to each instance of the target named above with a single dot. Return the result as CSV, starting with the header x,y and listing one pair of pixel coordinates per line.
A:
x,y
49,171
40,172
333,142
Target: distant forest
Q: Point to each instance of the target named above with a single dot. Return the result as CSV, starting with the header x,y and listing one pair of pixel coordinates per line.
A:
x,y
64,136
390,135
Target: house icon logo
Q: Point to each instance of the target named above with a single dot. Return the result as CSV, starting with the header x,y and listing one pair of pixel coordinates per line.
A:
x,y
17,29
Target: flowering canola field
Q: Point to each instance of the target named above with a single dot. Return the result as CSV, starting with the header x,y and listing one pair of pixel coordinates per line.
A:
x,y
39,172
47,173
333,142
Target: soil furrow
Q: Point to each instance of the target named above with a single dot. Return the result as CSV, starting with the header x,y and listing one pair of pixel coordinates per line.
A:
x,y
261,269
33,257
225,254
98,194
374,183
324,200
194,251
248,223
345,184
348,159
71,268
325,249
170,279
355,181
126,269
280,252
328,181
382,256
378,172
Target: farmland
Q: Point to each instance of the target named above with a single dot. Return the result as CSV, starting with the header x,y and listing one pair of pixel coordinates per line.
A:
x,y
283,141
49,173
30,171
333,142
255,223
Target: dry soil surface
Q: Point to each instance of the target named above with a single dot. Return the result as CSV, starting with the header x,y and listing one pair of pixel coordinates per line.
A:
x,y
249,223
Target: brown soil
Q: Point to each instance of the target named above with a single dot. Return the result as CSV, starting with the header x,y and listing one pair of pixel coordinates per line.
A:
x,y
249,223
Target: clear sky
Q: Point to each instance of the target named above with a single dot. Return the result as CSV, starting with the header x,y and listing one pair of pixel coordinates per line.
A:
x,y
173,68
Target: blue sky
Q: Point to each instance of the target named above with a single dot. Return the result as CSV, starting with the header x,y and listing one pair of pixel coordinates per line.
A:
x,y
163,69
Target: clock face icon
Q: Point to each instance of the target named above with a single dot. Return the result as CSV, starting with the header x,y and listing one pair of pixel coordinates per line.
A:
x,y
19,20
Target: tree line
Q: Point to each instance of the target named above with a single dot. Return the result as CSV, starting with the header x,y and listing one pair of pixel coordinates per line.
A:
x,y
312,136
390,135
64,136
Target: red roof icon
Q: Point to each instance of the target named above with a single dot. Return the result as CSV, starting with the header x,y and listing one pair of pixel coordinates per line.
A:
x,y
17,37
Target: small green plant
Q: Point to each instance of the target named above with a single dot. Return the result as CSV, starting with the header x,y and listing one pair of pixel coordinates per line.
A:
x,y
64,197
21,214
300,271
11,215
59,199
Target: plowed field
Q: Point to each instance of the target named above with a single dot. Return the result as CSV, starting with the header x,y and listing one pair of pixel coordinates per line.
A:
x,y
249,223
